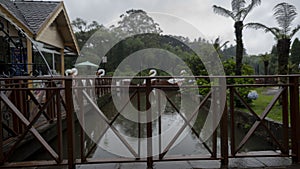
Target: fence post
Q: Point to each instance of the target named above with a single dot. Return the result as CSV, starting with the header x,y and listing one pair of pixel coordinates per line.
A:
x,y
1,137
70,122
149,125
232,121
285,120
224,137
59,126
224,123
79,96
295,118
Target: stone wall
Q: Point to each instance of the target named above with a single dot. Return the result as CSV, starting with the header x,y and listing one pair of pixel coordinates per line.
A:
x,y
245,120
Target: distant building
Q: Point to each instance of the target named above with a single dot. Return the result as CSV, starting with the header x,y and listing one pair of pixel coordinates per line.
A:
x,y
48,30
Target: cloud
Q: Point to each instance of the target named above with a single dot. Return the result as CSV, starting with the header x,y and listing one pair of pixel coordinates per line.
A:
x,y
197,12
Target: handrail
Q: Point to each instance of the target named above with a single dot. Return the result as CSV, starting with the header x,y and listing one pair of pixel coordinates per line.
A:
x,y
55,104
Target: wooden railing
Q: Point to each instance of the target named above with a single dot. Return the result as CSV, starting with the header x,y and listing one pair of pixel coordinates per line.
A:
x,y
29,104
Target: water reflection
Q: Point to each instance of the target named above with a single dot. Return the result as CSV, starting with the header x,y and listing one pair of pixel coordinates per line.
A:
x,y
164,129
171,121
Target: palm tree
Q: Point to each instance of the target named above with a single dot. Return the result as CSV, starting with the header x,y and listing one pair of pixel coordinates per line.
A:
x,y
217,45
265,58
284,14
238,14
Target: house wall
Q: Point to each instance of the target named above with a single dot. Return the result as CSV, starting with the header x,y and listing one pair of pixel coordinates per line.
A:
x,y
52,36
8,28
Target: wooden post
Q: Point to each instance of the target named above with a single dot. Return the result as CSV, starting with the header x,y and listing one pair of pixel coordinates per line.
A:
x,y
59,127
285,120
29,55
1,138
224,123
62,62
232,122
224,137
70,122
80,97
139,122
215,112
51,107
149,125
295,118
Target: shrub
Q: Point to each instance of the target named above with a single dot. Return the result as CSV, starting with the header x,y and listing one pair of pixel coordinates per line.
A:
x,y
229,67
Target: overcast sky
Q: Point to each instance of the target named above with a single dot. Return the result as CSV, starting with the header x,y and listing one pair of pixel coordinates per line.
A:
x,y
198,13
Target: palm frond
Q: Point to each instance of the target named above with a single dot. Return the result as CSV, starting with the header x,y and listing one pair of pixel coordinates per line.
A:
x,y
284,14
224,12
295,30
249,8
274,31
237,5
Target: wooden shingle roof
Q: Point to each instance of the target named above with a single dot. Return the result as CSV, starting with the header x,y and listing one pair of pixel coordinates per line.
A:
x,y
31,13
36,13
36,16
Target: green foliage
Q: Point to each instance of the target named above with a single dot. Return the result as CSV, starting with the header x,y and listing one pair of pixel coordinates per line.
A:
x,y
284,14
247,126
229,67
83,30
139,42
135,22
243,91
295,55
247,70
204,83
265,98
196,65
238,13
273,61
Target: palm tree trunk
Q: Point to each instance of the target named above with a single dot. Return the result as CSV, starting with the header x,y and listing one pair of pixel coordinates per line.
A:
x,y
239,46
283,48
266,66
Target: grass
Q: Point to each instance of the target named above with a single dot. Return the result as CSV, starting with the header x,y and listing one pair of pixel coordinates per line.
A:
x,y
260,104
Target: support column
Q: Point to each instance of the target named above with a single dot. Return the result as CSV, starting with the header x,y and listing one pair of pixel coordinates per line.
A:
x,y
224,138
70,123
29,55
62,62
149,126
295,117
1,139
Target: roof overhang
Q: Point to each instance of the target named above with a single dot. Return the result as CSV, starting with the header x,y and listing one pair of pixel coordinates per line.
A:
x,y
13,19
60,17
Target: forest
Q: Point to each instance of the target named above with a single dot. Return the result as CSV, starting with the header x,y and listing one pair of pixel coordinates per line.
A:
x,y
136,30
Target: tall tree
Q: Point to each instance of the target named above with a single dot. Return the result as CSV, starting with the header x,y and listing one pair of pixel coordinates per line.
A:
x,y
217,45
295,54
136,21
238,13
273,69
284,14
84,30
265,58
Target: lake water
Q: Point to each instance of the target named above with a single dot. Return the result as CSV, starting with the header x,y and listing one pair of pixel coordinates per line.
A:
x,y
110,145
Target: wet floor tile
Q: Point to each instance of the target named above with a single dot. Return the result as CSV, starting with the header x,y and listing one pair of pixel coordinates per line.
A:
x,y
245,163
275,161
211,164
173,165
97,166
